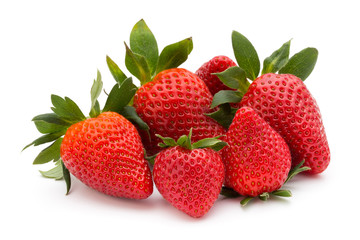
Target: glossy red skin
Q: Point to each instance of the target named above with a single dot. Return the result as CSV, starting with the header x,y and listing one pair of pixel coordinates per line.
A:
x,y
215,65
190,180
257,159
175,101
287,105
106,154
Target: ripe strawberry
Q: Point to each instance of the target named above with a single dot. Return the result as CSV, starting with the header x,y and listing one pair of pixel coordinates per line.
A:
x,y
104,151
170,100
281,99
189,176
257,160
287,105
215,65
106,154
172,103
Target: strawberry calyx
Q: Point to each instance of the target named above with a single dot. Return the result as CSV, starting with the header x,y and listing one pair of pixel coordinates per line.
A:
x,y
142,58
239,77
296,170
65,113
230,193
185,142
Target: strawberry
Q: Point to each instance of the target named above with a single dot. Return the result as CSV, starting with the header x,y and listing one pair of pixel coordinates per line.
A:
x,y
189,176
286,104
281,99
257,160
170,100
215,65
106,154
103,151
172,103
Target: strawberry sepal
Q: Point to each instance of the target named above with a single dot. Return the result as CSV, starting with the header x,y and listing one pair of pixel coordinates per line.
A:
x,y
66,176
224,115
185,142
296,170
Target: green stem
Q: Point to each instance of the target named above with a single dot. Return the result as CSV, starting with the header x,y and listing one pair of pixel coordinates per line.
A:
x,y
246,200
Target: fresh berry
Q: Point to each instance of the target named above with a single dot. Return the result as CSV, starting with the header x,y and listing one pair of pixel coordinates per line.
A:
x,y
215,65
106,154
257,160
172,103
286,104
104,151
189,176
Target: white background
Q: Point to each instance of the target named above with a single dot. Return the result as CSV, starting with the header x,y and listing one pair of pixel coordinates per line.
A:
x,y
57,46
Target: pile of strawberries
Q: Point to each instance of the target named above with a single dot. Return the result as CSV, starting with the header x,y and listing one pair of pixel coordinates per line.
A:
x,y
221,130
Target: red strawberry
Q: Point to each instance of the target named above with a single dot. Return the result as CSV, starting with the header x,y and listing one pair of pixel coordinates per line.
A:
x,y
172,103
104,151
170,100
215,65
257,160
189,176
106,154
287,105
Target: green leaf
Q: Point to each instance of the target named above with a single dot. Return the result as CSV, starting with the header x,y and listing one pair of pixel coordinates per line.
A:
x,y
45,127
209,143
150,159
296,170
120,96
229,192
137,66
130,114
187,143
46,138
218,146
50,153
224,115
264,196
59,172
246,55
246,200
67,177
282,193
56,172
302,63
277,59
182,141
226,96
234,77
52,118
67,109
94,94
95,111
174,55
185,140
143,42
167,141
118,75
